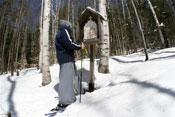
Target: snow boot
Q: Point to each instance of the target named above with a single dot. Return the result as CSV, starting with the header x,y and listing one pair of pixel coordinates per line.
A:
x,y
59,107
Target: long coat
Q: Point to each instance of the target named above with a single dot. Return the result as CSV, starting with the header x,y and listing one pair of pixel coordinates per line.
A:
x,y
69,85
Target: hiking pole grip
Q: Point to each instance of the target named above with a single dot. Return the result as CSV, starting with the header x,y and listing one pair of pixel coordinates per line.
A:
x,y
85,50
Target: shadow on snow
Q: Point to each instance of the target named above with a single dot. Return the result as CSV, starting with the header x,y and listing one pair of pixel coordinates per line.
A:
x,y
85,77
148,85
11,108
138,61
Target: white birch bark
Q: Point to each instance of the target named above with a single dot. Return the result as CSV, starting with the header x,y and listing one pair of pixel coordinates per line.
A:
x,y
104,39
143,37
45,65
157,22
41,37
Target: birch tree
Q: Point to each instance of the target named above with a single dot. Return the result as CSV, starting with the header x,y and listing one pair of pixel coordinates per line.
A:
x,y
140,26
41,36
157,22
104,39
45,48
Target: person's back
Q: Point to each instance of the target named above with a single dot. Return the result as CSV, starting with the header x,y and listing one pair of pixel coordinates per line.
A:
x,y
65,44
69,85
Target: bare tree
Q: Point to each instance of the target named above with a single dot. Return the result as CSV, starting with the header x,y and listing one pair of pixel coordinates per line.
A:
x,y
140,26
45,65
41,36
14,41
24,44
4,46
157,22
104,39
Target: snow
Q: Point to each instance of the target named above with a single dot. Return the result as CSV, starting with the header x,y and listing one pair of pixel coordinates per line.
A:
x,y
162,24
94,11
134,88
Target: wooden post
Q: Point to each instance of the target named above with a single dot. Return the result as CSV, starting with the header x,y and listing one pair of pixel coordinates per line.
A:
x,y
90,30
92,56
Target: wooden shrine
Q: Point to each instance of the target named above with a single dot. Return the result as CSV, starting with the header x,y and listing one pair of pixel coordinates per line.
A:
x,y
89,24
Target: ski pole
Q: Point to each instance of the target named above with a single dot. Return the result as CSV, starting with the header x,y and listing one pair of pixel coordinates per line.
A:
x,y
81,73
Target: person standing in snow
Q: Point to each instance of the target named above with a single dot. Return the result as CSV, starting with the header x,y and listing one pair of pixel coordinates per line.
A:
x,y
69,85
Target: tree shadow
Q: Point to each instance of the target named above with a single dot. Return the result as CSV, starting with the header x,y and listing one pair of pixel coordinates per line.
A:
x,y
98,62
138,61
145,84
99,104
56,87
164,52
11,108
85,75
122,61
85,78
25,71
159,58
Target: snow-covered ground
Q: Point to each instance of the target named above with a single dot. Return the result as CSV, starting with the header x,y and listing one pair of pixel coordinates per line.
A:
x,y
134,88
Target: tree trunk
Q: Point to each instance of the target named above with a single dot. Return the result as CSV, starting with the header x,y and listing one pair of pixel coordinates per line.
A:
x,y
4,10
3,50
45,67
132,28
124,16
56,26
125,39
104,39
157,22
14,39
68,11
121,29
18,39
41,38
23,53
143,37
16,54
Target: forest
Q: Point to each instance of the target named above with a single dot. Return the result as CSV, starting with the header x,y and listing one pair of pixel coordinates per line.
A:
x,y
20,28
